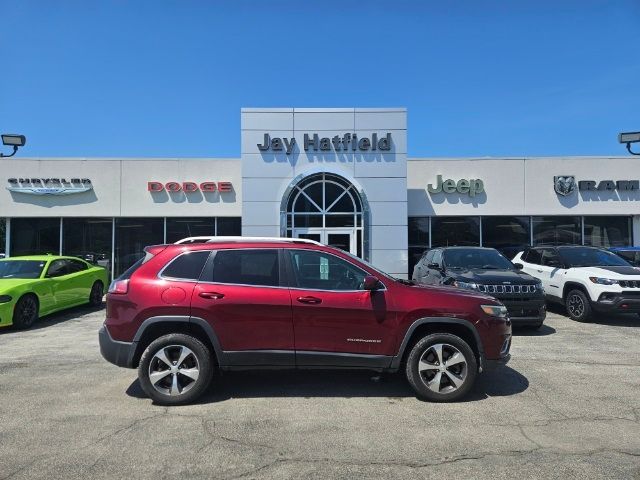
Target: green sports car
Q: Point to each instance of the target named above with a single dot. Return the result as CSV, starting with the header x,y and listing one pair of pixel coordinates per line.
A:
x,y
35,286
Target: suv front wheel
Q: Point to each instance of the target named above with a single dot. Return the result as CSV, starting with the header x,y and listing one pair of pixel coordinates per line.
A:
x,y
578,306
175,369
441,368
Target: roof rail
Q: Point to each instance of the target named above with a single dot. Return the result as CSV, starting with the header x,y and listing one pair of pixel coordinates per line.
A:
x,y
227,239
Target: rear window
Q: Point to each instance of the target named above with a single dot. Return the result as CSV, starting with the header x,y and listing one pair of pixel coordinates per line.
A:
x,y
129,271
246,267
187,266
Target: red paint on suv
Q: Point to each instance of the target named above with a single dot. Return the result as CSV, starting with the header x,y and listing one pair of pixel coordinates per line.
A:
x,y
188,309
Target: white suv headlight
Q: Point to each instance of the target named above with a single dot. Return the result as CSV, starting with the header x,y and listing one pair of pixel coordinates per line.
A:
x,y
603,281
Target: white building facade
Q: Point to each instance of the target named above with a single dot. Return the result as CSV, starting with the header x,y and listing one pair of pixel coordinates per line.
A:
x,y
339,176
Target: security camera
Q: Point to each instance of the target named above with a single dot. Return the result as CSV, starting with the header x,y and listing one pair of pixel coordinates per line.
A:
x,y
629,137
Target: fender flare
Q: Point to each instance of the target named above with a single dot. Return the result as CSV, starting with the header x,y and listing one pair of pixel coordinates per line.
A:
x,y
395,362
213,338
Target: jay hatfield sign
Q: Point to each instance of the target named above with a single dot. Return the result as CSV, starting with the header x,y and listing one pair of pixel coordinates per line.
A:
x,y
349,142
49,186
566,184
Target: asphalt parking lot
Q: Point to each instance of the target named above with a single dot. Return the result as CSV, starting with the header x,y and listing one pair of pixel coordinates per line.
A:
x,y
567,406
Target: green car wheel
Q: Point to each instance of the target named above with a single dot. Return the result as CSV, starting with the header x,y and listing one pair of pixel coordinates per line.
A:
x,y
26,312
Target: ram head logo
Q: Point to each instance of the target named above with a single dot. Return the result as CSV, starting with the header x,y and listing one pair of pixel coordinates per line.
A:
x,y
564,184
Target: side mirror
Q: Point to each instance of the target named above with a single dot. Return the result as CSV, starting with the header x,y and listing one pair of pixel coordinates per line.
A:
x,y
370,283
434,266
518,266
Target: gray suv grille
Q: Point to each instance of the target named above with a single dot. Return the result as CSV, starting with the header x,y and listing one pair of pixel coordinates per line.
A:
x,y
517,289
629,283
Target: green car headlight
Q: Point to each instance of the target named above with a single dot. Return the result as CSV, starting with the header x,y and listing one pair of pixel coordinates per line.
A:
x,y
5,298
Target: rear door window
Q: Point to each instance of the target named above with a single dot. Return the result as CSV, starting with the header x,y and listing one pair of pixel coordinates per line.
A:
x,y
187,266
245,267
533,256
437,257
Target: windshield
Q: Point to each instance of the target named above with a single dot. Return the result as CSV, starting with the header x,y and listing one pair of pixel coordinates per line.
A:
x,y
591,257
476,258
21,268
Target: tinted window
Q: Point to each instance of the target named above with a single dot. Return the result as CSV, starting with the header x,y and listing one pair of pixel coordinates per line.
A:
x,y
35,236
74,266
476,258
557,230
533,256
21,268
321,271
550,257
428,258
630,256
57,268
509,235
418,239
246,267
187,266
590,257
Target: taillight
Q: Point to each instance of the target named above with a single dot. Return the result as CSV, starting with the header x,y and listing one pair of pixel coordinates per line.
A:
x,y
119,287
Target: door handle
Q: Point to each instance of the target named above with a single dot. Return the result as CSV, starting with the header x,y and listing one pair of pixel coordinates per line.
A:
x,y
211,295
540,271
310,300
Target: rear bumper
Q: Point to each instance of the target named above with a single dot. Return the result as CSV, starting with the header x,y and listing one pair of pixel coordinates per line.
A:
x,y
618,303
113,351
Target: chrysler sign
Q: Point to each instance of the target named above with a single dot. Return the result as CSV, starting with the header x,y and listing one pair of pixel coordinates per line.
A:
x,y
49,186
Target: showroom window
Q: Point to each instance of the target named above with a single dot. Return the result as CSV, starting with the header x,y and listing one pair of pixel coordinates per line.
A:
x,y
455,231
561,230
183,227
418,239
3,237
132,235
509,235
228,226
89,239
610,231
35,236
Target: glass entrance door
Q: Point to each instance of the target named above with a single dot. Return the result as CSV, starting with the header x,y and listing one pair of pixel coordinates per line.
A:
x,y
342,238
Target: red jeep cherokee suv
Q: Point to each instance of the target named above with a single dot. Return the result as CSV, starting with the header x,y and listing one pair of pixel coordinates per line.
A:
x,y
185,310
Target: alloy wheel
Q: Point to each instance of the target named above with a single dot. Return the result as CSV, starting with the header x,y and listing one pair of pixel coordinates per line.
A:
x,y
442,368
575,305
174,370
29,311
96,294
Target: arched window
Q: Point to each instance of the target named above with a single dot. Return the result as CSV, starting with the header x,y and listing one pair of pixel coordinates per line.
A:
x,y
327,208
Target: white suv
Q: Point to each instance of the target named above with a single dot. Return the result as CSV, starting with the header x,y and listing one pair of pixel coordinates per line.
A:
x,y
584,279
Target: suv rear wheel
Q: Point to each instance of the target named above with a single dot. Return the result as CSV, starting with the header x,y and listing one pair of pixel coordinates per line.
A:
x,y
578,306
175,369
441,368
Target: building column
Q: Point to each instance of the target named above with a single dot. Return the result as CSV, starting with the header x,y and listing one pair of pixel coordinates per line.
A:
x,y
636,230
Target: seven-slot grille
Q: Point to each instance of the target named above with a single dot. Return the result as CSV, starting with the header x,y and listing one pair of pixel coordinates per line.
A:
x,y
629,283
517,289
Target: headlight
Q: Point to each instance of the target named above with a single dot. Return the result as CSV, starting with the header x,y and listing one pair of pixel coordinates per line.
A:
x,y
603,281
539,287
470,286
5,298
499,311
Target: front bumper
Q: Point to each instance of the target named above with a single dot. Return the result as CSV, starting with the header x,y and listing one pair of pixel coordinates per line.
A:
x,y
113,351
6,313
526,312
618,303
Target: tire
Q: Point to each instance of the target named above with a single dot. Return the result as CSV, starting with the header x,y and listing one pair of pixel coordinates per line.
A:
x,y
25,312
578,306
175,387
97,292
455,381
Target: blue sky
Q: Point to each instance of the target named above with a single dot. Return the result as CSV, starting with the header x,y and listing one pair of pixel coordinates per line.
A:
x,y
168,78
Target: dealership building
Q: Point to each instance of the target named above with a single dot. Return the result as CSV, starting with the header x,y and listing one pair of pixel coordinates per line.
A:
x,y
340,176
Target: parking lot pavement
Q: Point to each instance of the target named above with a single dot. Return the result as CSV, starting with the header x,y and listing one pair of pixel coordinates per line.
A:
x,y
568,406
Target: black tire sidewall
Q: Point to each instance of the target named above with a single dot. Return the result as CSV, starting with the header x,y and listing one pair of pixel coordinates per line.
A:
x,y
16,313
413,375
92,302
205,363
586,316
